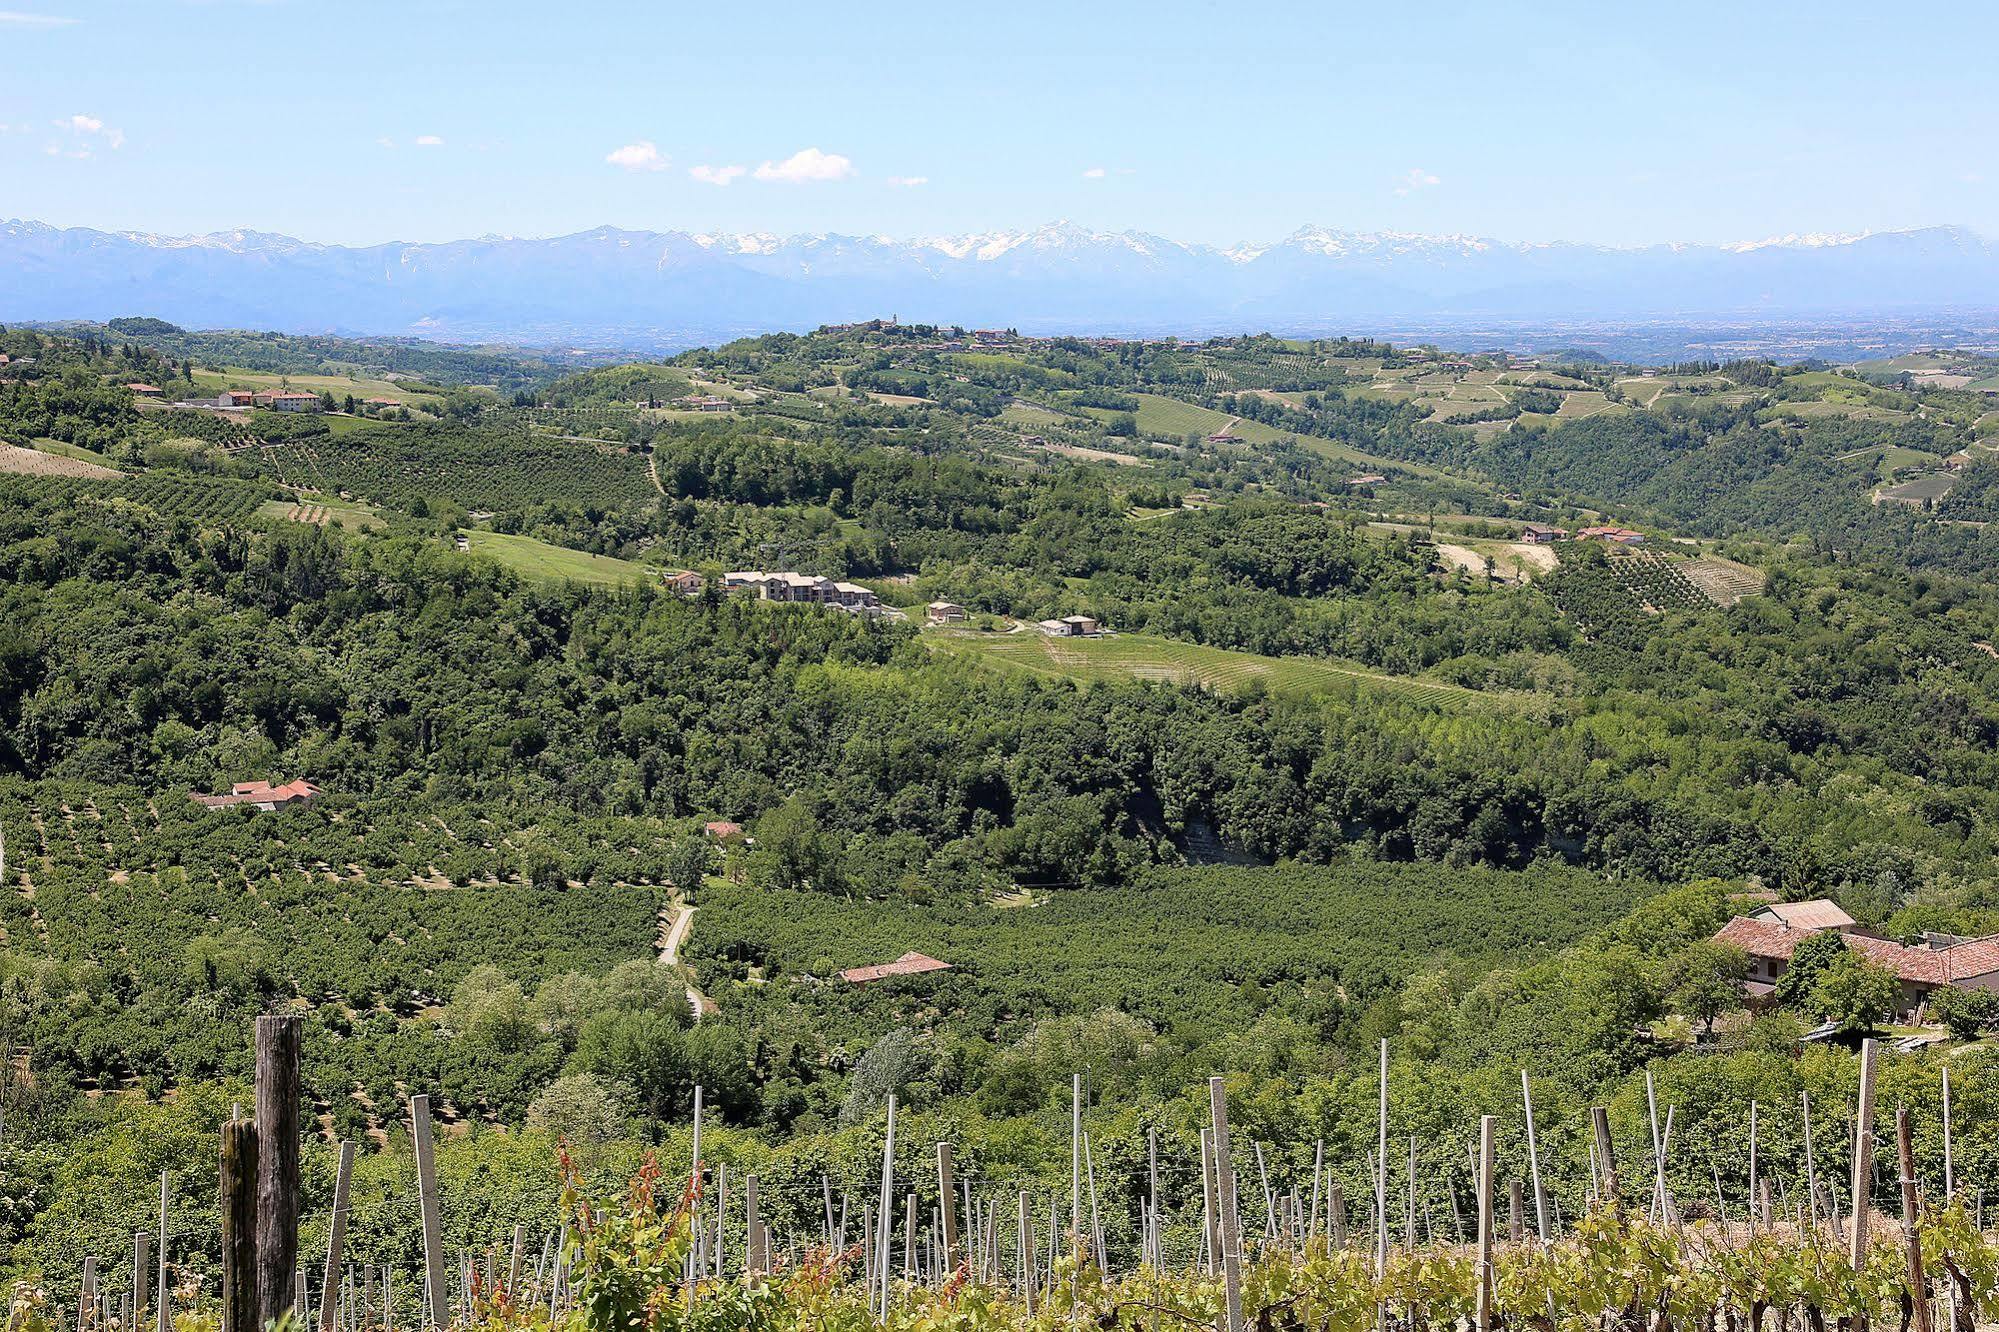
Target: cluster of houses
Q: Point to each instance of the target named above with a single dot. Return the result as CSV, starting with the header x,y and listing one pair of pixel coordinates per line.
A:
x,y
290,400
1771,932
1541,534
699,402
794,588
260,795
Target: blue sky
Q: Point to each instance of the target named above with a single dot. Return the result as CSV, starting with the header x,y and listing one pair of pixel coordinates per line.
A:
x,y
1217,122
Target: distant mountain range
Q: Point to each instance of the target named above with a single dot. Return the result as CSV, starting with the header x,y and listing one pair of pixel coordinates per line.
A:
x,y
668,288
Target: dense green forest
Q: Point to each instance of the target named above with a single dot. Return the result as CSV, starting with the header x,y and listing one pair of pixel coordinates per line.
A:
x,y
1144,878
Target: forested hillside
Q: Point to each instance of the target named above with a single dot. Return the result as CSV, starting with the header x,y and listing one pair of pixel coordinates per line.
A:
x,y
1534,773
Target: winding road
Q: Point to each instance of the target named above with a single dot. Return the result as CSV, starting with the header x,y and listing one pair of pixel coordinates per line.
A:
x,y
669,950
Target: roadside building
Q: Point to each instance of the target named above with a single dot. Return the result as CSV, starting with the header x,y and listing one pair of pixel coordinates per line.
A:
x,y
235,398
944,612
688,584
145,391
1540,534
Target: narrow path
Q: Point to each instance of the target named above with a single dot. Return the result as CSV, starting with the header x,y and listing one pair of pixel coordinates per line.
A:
x,y
652,470
669,950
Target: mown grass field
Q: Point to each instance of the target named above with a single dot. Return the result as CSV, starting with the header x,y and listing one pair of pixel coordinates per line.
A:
x,y
556,564
1144,657
209,383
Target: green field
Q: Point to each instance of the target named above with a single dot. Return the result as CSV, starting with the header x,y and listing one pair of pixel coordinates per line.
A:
x,y
324,510
208,383
1144,657
556,564
1170,418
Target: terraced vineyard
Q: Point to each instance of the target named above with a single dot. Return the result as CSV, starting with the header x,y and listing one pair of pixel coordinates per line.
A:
x,y
1659,583
1723,581
1143,657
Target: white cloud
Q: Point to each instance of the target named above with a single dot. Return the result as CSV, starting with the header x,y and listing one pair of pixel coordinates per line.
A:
x,y
641,156
88,133
1095,173
908,182
1416,178
807,164
14,18
386,142
429,141
715,175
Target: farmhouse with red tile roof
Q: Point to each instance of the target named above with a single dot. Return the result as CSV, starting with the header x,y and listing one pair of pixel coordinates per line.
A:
x,y
261,795
909,964
1939,960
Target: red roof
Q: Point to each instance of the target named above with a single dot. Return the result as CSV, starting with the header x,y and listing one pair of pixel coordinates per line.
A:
x,y
142,388
909,964
722,828
1923,966
260,793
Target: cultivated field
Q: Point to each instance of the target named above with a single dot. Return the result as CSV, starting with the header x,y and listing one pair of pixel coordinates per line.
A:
x,y
1144,657
556,564
33,462
1917,491
323,511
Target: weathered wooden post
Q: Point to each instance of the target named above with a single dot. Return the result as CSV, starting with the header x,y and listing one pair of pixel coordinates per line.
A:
x,y
1485,1211
947,1196
1026,1255
336,1236
1811,1163
752,1218
141,1242
1863,1156
1919,1297
238,1197
436,1313
1611,1190
1381,1175
1534,1161
1231,1226
278,1038
885,1218
514,1261
1516,1207
1755,1177
1209,1248
1076,1160
1949,1164
86,1292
